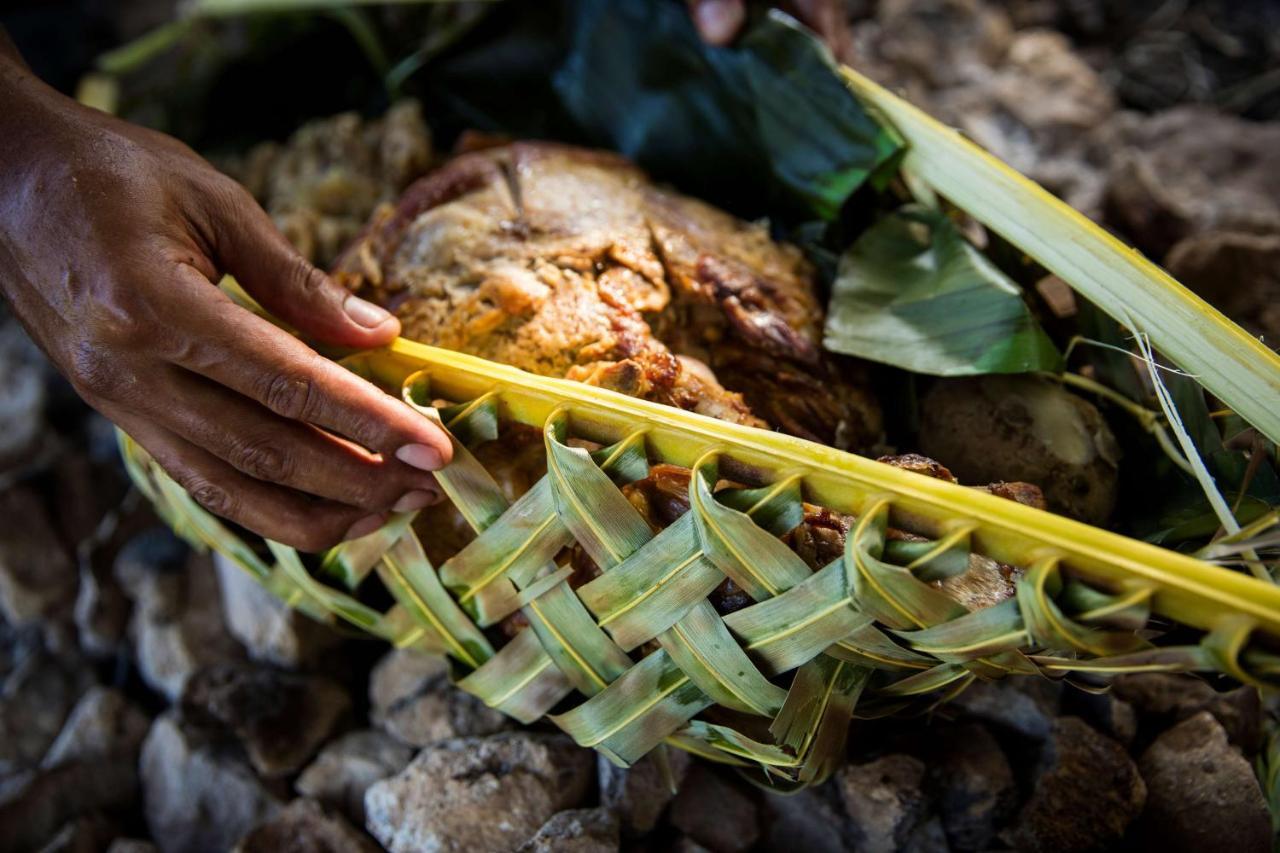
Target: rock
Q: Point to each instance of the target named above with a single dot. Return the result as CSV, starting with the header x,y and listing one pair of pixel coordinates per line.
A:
x,y
732,825
576,831
640,793
1025,706
412,699
132,845
345,768
104,726
478,793
270,630
302,826
936,44
101,612
197,796
1087,794
1033,110
87,834
1192,169
1238,272
35,698
1106,712
884,800
91,768
281,718
1164,699
807,820
174,637
151,568
1024,429
1202,794
22,402
37,577
975,785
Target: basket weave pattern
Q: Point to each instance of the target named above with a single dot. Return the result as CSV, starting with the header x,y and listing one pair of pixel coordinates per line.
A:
x,y
638,656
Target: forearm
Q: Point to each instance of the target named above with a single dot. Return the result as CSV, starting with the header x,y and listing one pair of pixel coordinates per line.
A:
x,y
26,105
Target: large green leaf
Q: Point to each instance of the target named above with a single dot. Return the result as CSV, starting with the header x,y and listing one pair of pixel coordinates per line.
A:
x,y
638,79
912,292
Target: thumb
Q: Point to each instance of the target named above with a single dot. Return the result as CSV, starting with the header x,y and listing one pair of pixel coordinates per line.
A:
x,y
251,248
717,21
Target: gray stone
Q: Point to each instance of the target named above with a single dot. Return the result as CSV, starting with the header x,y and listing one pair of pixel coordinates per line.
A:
x,y
731,825
641,792
345,768
807,820
303,826
1190,169
576,831
1106,712
280,718
198,796
1087,794
975,784
34,804
132,845
412,699
151,568
487,793
885,801
90,767
177,627
1202,794
103,726
270,630
22,401
87,834
1025,706
37,577
1164,699
35,698
101,612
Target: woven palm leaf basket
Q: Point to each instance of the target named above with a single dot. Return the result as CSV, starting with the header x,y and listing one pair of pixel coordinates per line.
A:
x,y
639,657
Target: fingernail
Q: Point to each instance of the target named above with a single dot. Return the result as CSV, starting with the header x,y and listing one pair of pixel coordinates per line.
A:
x,y
365,313
419,456
364,527
718,20
415,500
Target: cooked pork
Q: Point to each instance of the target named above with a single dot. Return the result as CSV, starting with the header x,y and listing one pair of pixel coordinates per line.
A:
x,y
568,262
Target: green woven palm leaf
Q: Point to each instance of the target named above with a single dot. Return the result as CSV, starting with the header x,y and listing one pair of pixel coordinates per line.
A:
x,y
638,655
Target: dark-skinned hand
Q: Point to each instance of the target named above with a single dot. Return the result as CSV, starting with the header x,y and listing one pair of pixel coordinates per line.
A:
x,y
112,238
719,21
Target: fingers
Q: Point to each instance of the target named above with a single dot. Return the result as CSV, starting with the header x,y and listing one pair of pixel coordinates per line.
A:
x,y
221,341
272,449
247,244
718,21
272,511
828,19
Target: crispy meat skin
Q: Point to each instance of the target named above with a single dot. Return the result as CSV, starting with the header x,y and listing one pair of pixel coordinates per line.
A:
x,y
570,262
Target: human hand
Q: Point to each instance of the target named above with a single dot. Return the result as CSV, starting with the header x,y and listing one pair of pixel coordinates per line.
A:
x,y
719,21
111,240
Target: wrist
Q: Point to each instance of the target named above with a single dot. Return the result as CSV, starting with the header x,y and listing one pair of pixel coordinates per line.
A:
x,y
29,109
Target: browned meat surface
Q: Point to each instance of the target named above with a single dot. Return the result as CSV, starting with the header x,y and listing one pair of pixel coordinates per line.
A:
x,y
569,262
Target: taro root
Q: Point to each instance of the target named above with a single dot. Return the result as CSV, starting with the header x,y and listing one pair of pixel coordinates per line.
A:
x,y
1024,428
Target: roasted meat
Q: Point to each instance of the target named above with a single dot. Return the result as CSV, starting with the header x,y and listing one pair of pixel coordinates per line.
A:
x,y
569,262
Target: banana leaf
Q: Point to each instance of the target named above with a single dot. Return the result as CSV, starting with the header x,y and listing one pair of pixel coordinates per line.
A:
x,y
912,292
